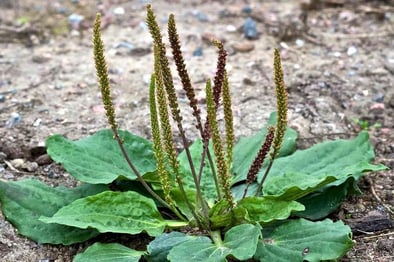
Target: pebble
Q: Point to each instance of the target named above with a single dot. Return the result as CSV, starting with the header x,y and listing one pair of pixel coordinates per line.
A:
x,y
37,122
31,166
379,97
59,85
336,54
119,11
246,9
20,163
202,17
231,28
198,52
13,120
75,20
2,98
243,47
124,45
17,163
75,33
300,42
43,160
51,174
377,108
250,29
352,50
41,59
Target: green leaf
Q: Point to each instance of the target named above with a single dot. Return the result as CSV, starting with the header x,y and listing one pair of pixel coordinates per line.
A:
x,y
303,172
239,241
303,240
265,209
323,202
220,214
99,252
246,149
207,181
180,203
24,201
116,212
97,159
159,248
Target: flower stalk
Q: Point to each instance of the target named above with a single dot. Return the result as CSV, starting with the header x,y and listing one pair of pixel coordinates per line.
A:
x,y
102,75
281,120
223,171
166,75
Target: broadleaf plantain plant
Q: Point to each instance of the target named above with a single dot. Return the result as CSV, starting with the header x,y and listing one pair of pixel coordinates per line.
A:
x,y
258,199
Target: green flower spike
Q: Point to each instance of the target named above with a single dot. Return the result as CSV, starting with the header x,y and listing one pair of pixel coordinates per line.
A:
x,y
222,169
281,121
102,73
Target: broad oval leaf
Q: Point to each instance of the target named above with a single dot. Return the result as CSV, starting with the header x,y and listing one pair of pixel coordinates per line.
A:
x,y
24,201
97,159
159,248
240,242
100,252
266,209
323,202
305,171
303,240
117,212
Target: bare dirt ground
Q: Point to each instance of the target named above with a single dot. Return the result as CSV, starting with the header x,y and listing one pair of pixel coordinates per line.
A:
x,y
338,58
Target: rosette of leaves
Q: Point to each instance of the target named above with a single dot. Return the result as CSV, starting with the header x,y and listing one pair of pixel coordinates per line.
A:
x,y
257,199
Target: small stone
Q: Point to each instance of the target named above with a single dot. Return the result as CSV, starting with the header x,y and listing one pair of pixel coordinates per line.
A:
x,y
250,29
247,9
248,81
352,50
202,17
75,33
208,37
43,160
2,98
37,122
124,45
377,108
17,163
337,54
75,20
13,120
231,28
198,52
58,85
41,59
284,45
119,11
379,97
146,78
31,166
243,47
300,42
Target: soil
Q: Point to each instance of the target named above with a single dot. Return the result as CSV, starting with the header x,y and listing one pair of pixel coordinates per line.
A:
x,y
338,57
